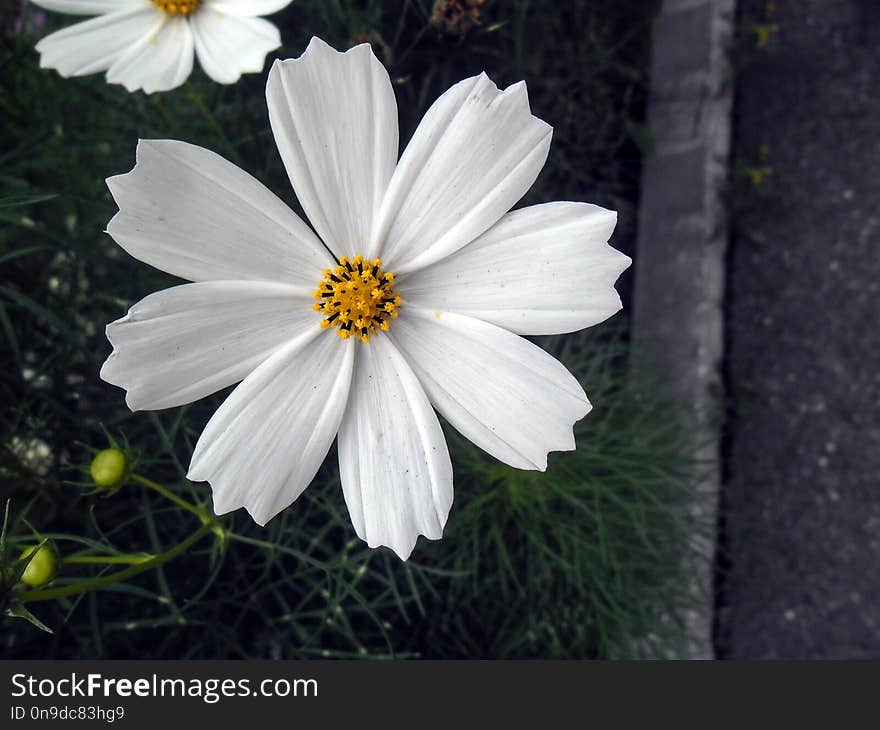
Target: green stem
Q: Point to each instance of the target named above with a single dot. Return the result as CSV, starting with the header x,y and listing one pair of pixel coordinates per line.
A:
x,y
107,559
206,517
171,496
117,577
160,107
215,125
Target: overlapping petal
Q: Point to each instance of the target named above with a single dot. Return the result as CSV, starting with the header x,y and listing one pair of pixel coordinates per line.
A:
x,y
502,392
94,45
187,211
265,443
474,155
334,117
160,61
181,344
228,46
393,462
541,270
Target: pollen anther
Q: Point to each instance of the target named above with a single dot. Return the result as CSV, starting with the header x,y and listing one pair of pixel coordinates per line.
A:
x,y
177,7
357,298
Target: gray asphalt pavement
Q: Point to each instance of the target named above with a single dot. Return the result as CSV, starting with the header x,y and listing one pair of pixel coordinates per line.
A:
x,y
801,496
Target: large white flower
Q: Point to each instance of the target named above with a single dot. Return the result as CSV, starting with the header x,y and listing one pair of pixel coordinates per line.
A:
x,y
442,330
149,44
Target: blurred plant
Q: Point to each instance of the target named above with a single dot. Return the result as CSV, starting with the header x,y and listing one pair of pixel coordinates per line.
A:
x,y
456,16
757,172
26,579
764,29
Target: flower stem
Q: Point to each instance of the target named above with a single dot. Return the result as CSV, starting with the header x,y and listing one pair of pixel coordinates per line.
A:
x,y
119,576
171,496
206,517
199,102
107,559
160,107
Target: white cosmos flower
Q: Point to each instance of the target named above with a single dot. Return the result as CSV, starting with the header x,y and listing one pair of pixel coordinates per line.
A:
x,y
149,44
468,279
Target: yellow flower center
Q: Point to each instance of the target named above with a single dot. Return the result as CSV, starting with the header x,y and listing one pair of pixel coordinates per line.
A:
x,y
357,298
177,7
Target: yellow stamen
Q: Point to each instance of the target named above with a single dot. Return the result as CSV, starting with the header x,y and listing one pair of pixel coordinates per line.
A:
x,y
357,298
177,7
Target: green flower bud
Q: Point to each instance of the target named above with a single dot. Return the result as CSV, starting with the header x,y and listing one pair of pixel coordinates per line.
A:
x,y
42,567
109,468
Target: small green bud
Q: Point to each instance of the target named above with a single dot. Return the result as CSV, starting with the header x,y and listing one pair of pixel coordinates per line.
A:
x,y
42,567
109,468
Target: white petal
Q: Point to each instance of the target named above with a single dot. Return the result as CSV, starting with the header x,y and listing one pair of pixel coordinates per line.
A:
x,y
248,8
181,344
161,61
229,46
499,390
187,211
94,45
89,7
475,154
393,461
335,122
541,270
265,443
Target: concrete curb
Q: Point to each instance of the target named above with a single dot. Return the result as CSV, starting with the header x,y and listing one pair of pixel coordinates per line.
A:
x,y
678,324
